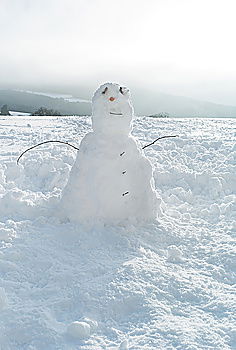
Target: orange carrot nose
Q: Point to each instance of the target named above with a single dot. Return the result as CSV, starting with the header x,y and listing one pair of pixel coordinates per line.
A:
x,y
112,98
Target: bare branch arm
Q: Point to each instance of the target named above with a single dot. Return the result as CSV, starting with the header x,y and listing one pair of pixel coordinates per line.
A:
x,y
39,144
159,138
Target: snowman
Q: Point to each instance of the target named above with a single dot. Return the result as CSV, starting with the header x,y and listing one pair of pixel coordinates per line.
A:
x,y
111,180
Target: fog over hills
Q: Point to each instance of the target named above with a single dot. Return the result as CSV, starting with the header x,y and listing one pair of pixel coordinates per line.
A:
x,y
180,106
145,103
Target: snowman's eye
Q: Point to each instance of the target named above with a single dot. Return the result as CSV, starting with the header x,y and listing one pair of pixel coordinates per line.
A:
x,y
121,91
104,91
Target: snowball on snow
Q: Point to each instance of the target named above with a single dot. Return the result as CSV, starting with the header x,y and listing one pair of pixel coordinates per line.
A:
x,y
93,324
124,345
79,330
174,254
5,234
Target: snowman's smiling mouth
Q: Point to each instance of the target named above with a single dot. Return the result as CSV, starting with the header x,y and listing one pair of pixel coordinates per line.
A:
x,y
113,113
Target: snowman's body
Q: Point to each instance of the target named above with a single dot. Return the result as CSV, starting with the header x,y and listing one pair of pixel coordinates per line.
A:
x,y
111,179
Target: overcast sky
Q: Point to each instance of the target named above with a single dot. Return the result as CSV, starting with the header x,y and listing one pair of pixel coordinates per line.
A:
x,y
182,47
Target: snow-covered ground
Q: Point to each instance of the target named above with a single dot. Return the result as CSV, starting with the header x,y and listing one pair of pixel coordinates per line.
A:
x,y
166,285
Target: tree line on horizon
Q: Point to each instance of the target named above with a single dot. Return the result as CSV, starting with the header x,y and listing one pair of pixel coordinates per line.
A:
x,y
42,111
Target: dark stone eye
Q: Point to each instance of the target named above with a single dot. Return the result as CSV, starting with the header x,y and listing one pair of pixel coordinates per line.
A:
x,y
105,90
121,91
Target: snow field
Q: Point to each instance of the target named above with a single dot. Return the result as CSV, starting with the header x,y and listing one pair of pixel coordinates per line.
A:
x,y
169,284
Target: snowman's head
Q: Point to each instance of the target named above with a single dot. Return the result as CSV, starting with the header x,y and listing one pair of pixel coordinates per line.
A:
x,y
112,109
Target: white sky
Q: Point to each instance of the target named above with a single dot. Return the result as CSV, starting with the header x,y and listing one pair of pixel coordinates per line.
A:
x,y
183,47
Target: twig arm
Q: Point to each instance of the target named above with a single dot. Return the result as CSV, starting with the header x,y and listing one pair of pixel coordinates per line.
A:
x,y
42,143
159,138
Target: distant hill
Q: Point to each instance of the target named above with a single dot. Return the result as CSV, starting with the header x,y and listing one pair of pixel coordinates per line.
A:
x,y
28,102
149,103
145,103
